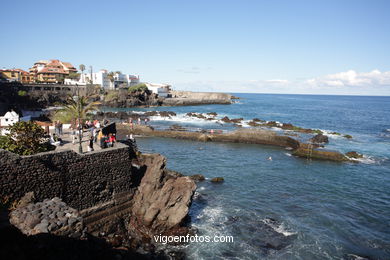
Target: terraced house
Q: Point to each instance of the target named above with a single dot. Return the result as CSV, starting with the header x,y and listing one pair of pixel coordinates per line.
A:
x,y
17,75
53,71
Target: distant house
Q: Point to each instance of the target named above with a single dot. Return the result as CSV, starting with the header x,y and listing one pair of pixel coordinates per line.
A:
x,y
161,89
8,119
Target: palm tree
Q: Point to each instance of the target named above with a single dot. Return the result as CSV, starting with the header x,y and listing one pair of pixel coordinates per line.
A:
x,y
82,68
76,108
111,77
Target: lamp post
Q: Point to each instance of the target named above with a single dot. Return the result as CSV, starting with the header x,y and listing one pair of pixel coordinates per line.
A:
x,y
79,119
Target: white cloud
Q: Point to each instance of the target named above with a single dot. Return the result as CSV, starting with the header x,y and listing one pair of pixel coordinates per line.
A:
x,y
352,78
343,83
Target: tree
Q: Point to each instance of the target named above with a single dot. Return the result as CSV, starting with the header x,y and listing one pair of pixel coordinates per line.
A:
x,y
82,68
74,75
76,108
26,138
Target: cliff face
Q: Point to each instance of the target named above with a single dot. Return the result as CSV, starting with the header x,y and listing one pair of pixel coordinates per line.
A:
x,y
106,189
162,201
124,98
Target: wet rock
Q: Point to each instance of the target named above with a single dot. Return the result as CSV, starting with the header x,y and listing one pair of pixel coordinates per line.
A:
x,y
320,138
225,119
313,153
354,155
197,177
236,120
257,120
272,124
176,127
253,123
217,179
212,114
167,113
348,136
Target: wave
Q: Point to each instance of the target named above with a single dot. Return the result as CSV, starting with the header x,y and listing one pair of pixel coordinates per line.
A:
x,y
278,227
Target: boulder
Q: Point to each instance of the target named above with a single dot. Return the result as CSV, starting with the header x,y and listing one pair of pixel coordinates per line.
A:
x,y
320,138
225,119
217,179
197,177
313,153
161,203
354,155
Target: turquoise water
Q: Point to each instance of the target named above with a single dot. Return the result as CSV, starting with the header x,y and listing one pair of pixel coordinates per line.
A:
x,y
289,208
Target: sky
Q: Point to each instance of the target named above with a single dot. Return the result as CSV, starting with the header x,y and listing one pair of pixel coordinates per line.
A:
x,y
242,46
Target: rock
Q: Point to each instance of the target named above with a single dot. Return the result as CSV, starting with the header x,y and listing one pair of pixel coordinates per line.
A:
x,y
272,124
212,114
226,119
354,155
176,127
253,123
348,136
320,138
217,179
257,120
236,120
313,153
41,218
160,204
197,177
40,228
205,138
26,199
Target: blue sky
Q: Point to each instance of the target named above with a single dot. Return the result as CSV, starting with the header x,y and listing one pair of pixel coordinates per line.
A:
x,y
325,47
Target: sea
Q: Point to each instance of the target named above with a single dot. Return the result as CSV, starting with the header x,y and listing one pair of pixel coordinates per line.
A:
x,y
287,207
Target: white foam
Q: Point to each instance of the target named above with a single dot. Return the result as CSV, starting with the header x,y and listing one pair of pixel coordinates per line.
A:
x,y
280,228
288,154
366,160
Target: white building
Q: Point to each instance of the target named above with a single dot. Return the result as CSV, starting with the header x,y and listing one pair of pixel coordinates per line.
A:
x,y
101,78
161,89
8,119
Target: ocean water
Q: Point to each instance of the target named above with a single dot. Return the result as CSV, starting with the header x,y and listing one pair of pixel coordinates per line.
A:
x,y
288,208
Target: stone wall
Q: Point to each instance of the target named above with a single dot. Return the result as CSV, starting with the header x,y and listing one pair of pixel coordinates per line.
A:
x,y
81,181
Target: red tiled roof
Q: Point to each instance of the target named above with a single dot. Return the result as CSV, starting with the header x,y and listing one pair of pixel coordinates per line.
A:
x,y
53,70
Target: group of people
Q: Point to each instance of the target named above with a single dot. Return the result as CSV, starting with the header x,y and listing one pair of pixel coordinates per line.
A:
x,y
95,134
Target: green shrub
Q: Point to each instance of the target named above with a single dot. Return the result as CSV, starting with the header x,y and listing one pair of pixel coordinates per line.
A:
x,y
138,87
22,93
25,138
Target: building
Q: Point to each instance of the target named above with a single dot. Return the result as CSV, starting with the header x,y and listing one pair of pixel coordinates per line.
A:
x,y
10,118
16,75
53,71
108,81
161,89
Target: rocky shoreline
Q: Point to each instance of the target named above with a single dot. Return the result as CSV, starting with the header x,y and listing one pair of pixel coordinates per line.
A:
x,y
248,136
123,226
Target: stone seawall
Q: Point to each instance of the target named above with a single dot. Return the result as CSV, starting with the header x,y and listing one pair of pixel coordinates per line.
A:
x,y
82,181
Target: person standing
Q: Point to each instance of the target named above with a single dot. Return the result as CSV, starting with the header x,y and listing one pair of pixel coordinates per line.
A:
x,y
60,128
90,144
